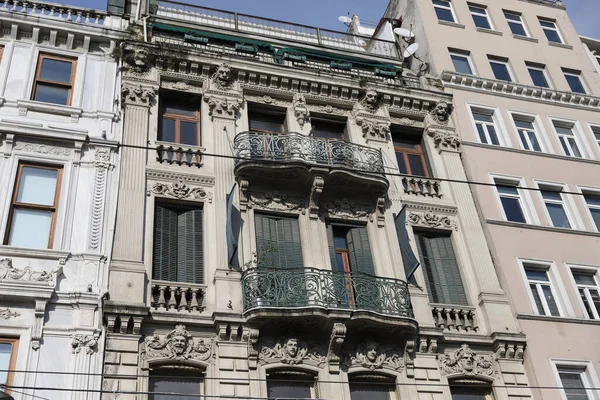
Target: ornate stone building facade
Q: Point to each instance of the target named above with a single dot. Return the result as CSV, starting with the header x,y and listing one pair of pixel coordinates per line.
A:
x,y
59,93
261,238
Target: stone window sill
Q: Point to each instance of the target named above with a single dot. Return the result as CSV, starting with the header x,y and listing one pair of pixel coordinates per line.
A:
x,y
527,38
48,254
25,106
491,31
454,24
564,46
566,320
541,227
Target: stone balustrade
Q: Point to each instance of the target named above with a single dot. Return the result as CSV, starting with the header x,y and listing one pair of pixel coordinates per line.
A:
x,y
422,186
173,154
454,318
178,296
56,11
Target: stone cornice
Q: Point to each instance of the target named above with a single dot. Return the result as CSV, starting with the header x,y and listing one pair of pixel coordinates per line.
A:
x,y
517,90
170,176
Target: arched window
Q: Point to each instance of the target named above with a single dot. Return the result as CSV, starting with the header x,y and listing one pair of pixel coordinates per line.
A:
x,y
291,385
467,389
175,379
372,387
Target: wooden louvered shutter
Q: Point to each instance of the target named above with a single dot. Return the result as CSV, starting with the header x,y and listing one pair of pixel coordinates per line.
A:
x,y
359,251
290,247
278,241
266,241
164,263
441,270
331,243
190,258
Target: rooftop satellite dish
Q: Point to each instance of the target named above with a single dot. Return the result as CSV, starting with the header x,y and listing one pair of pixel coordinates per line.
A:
x,y
404,32
410,50
344,19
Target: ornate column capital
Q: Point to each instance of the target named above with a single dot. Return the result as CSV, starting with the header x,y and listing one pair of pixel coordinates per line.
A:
x,y
439,127
226,107
137,95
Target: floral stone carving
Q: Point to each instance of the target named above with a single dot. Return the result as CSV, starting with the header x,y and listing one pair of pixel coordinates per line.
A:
x,y
180,190
10,273
370,355
345,208
277,201
220,106
138,95
7,313
291,351
177,345
86,343
431,220
466,361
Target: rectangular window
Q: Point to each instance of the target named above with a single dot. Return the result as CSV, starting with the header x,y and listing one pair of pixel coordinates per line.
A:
x,y
485,125
8,359
328,129
290,386
179,119
551,30
410,155
166,382
54,79
527,133
178,244
34,206
555,205
574,80
440,268
443,9
468,393
574,381
510,198
567,138
596,133
462,62
278,242
500,68
538,74
515,22
541,289
371,391
592,199
589,291
267,121
480,16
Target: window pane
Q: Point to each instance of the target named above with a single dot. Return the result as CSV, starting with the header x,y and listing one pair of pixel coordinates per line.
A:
x,y
416,165
575,84
493,135
179,108
536,298
538,77
30,228
534,142
5,352
56,70
465,393
586,304
174,384
461,64
402,167
267,122
520,123
574,148
500,71
167,130
444,14
595,299
512,209
37,186
481,22
592,199
551,195
550,300
596,216
288,389
188,133
564,131
573,385
507,189
370,392
584,279
52,94
483,117
481,132
328,130
552,36
537,275
558,215
517,29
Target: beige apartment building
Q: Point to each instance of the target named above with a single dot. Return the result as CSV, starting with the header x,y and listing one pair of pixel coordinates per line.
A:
x,y
525,89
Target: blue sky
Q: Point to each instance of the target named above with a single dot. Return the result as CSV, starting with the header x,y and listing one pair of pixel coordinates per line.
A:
x,y
324,13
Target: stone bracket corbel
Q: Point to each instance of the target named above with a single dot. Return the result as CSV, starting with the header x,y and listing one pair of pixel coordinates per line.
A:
x,y
315,194
251,336
9,141
338,335
244,196
38,323
409,356
380,211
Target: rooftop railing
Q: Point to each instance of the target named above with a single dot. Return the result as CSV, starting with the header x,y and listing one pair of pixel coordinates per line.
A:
x,y
251,24
311,287
55,11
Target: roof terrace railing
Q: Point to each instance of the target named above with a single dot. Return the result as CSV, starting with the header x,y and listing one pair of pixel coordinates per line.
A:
x,y
55,11
273,28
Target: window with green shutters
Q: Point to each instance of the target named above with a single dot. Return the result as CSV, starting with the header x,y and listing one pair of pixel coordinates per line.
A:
x,y
178,252
440,268
277,241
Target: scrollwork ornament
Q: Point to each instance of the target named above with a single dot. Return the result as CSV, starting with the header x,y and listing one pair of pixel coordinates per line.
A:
x,y
291,351
137,95
344,208
466,362
221,106
7,313
87,343
177,345
444,139
431,220
276,201
180,190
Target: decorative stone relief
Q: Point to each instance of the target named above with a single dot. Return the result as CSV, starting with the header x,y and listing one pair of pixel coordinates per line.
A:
x,y
266,99
276,201
374,129
440,114
251,335
87,343
370,355
444,139
42,149
291,351
177,345
222,78
315,194
102,164
181,86
431,220
328,109
136,61
338,335
346,209
370,101
38,323
221,106
10,273
300,110
137,95
7,313
465,361
180,190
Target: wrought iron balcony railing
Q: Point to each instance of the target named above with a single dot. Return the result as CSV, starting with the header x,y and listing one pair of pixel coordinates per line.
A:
x,y
294,147
311,287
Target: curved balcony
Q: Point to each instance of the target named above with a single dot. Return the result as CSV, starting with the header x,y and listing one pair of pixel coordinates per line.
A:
x,y
266,155
268,292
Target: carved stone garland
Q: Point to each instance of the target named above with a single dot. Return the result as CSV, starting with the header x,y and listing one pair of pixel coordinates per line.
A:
x,y
346,209
275,201
431,220
180,190
177,345
465,361
292,351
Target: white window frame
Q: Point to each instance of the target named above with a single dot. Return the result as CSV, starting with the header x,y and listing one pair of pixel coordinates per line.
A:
x,y
466,55
588,373
549,20
530,65
504,12
572,72
593,270
556,287
566,201
486,15
595,128
524,197
451,8
501,130
584,149
506,62
540,133
593,191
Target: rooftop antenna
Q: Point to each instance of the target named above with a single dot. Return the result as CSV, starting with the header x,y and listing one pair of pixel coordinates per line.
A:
x,y
345,19
410,50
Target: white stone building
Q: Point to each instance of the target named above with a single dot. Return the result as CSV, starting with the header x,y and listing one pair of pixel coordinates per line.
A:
x,y
59,112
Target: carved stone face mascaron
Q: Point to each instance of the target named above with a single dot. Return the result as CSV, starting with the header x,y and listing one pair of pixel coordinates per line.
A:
x,y
292,347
